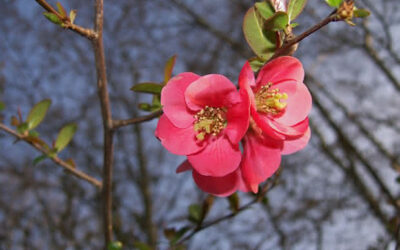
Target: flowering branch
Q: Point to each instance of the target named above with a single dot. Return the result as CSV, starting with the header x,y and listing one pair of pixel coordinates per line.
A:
x,y
55,159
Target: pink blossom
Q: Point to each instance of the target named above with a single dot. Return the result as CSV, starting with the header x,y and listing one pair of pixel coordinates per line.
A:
x,y
279,107
280,102
204,118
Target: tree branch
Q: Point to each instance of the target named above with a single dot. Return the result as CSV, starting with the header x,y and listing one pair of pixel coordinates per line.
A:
x,y
102,89
267,187
122,123
66,22
73,170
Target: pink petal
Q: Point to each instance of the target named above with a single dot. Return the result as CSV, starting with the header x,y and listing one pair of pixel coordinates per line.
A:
x,y
218,158
213,91
173,99
185,166
261,159
290,132
292,146
238,119
299,102
246,76
246,81
220,186
180,141
263,123
281,68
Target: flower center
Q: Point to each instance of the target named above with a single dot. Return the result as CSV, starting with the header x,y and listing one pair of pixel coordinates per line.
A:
x,y
209,120
270,100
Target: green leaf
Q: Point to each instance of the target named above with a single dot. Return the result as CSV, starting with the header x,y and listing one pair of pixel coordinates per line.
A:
x,y
37,113
148,87
173,236
115,245
334,3
65,136
361,13
33,133
398,179
39,159
169,66
52,18
61,10
278,21
264,9
21,128
195,213
141,246
293,25
263,43
295,7
144,106
2,106
234,202
256,63
72,16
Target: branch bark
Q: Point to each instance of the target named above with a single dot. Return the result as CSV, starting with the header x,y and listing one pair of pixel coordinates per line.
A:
x,y
102,89
73,170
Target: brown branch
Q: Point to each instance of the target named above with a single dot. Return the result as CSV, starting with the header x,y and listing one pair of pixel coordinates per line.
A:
x,y
102,89
287,45
121,123
267,187
66,22
73,170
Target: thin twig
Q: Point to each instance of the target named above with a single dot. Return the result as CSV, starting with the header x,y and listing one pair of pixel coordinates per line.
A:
x,y
289,43
55,159
121,123
66,22
267,187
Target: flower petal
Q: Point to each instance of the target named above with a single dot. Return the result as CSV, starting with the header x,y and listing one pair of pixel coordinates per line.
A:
x,y
246,81
238,119
220,186
217,159
281,68
173,99
261,159
213,91
299,102
264,123
292,146
180,141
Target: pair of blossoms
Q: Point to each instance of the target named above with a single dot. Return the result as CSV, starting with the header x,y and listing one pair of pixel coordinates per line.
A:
x,y
206,118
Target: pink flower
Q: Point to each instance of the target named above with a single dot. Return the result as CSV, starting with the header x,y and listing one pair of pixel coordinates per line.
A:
x,y
204,118
279,106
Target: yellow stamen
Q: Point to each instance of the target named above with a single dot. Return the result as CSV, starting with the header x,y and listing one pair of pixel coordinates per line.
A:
x,y
270,100
209,120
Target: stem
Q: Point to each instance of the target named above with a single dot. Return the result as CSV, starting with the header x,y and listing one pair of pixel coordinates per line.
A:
x,y
98,48
267,187
289,43
122,123
66,22
55,159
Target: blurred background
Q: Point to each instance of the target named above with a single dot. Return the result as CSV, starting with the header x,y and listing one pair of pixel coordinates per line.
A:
x,y
340,192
